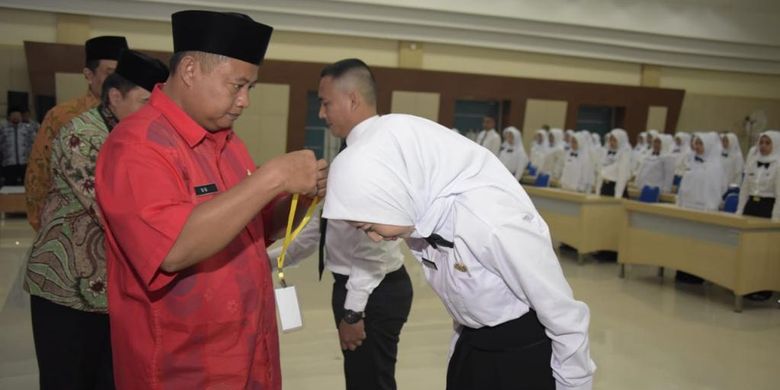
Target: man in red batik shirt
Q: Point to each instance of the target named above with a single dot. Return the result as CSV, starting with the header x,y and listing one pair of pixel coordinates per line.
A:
x,y
189,288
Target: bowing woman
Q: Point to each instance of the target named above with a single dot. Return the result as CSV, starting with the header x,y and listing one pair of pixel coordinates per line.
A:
x,y
484,248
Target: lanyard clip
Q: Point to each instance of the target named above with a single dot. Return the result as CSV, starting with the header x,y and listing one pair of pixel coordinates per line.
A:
x,y
282,282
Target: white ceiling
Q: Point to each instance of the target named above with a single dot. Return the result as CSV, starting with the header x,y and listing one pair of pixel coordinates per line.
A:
x,y
733,35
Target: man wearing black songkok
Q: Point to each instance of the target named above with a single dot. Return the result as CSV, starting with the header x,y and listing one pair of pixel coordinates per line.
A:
x,y
66,271
187,214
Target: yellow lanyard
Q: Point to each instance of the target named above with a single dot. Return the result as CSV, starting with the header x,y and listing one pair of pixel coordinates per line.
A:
x,y
290,234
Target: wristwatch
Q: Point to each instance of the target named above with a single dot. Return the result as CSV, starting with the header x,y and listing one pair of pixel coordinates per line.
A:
x,y
352,317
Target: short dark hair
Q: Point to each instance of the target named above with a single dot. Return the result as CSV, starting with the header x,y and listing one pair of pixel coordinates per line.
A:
x,y
116,81
207,60
356,67
92,64
13,109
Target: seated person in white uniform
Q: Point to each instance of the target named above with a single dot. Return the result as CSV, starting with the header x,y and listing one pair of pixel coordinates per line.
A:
x,y
616,166
578,173
512,153
761,186
657,169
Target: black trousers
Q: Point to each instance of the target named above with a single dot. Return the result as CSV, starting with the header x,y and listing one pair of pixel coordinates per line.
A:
x,y
372,365
73,347
759,207
608,189
514,355
13,175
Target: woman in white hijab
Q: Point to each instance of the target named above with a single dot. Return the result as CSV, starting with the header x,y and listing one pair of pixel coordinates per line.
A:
x,y
539,149
512,153
597,153
567,136
657,169
485,251
639,151
682,152
703,185
578,173
733,163
616,165
761,187
555,156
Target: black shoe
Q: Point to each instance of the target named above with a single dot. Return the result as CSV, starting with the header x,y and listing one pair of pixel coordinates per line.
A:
x,y
684,277
759,296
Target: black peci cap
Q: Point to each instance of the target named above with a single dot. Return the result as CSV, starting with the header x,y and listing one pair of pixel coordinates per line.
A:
x,y
230,34
141,70
105,48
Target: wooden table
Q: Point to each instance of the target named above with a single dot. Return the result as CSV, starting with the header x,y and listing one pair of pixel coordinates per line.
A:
x,y
586,222
12,200
739,253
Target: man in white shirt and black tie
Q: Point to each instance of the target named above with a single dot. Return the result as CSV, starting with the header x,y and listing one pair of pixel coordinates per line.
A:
x,y
372,292
489,137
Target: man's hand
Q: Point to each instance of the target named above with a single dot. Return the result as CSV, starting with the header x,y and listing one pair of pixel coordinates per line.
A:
x,y
351,336
300,172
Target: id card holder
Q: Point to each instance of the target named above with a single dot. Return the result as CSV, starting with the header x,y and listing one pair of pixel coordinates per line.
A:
x,y
289,310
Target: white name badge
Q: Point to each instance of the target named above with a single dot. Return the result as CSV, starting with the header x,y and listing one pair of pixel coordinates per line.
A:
x,y
289,311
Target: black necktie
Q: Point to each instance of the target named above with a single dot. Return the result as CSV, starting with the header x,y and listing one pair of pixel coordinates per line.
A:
x,y
435,240
725,155
611,153
573,154
321,257
759,164
655,154
699,159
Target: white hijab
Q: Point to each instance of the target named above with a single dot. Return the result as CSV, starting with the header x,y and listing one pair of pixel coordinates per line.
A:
x,y
641,146
622,138
539,150
558,143
513,155
734,148
685,143
667,144
596,138
755,155
703,184
651,135
409,171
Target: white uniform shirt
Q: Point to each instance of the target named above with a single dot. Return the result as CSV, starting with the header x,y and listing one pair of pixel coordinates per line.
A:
x,y
763,180
348,251
490,140
578,172
703,185
616,165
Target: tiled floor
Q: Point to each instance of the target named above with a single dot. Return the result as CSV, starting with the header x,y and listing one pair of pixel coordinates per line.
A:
x,y
645,333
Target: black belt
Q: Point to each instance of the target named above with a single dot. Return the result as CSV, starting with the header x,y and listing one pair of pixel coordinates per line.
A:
x,y
392,276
